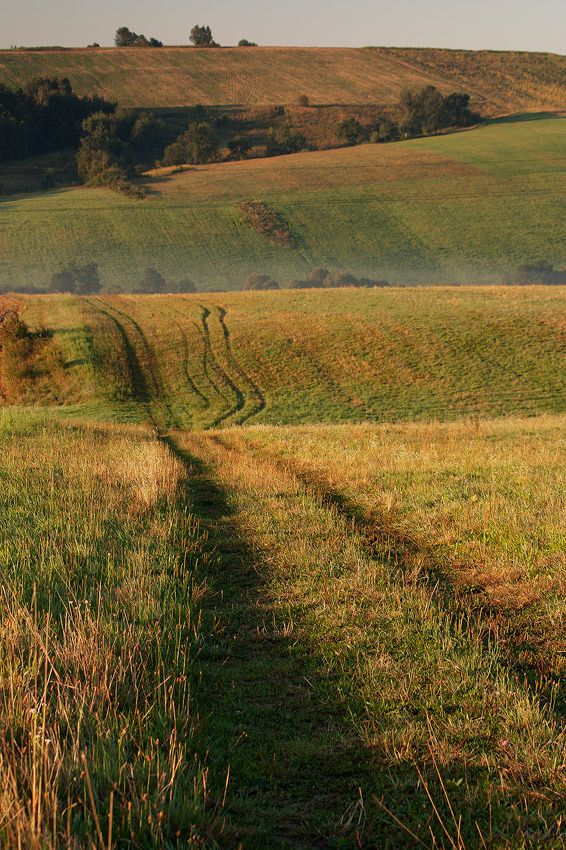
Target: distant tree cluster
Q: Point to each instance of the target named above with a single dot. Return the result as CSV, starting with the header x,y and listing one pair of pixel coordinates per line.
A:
x,y
126,38
243,42
79,280
539,272
260,282
424,112
45,115
113,143
197,145
153,283
427,110
201,36
325,279
286,140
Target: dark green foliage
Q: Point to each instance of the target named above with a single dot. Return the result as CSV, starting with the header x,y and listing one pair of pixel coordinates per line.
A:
x,y
352,132
202,37
197,145
325,279
185,284
80,280
148,136
427,111
126,38
151,282
385,131
260,282
287,140
43,116
243,42
105,149
239,147
537,272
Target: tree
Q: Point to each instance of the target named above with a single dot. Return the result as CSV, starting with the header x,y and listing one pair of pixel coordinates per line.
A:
x,y
303,100
352,132
87,279
126,38
184,285
197,145
243,42
239,147
202,37
287,140
82,280
427,111
103,148
148,135
259,282
63,281
151,282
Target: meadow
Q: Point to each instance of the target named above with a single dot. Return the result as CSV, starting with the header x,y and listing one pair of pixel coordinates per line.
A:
x,y
295,357
437,210
282,637
175,76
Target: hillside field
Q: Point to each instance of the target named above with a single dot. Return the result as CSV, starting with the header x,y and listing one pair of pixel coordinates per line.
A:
x,y
172,76
297,357
467,207
256,544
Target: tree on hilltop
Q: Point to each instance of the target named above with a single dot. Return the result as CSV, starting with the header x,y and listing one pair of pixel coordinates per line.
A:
x,y
202,37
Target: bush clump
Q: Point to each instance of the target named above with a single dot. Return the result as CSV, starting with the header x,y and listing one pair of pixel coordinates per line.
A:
x,y
261,282
325,279
267,222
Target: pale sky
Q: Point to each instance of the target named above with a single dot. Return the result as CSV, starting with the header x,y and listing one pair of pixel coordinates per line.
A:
x,y
472,24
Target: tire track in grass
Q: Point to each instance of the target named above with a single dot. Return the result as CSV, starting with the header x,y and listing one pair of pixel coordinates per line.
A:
x,y
405,552
210,357
146,377
260,401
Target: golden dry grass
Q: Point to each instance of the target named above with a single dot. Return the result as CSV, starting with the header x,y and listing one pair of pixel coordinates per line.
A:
x,y
179,76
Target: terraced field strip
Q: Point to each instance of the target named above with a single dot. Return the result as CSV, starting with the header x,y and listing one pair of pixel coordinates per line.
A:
x,y
357,708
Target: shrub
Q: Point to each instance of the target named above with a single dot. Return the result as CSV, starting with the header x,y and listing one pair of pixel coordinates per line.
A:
x,y
260,282
267,222
243,42
303,100
151,282
352,132
197,145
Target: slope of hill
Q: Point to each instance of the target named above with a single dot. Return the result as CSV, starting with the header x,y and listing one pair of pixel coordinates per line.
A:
x,y
498,81
296,357
466,207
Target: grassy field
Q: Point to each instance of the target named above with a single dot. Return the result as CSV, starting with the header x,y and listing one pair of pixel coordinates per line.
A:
x,y
298,357
282,638
466,207
498,81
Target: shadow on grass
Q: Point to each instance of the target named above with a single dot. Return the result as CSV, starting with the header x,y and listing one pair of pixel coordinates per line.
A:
x,y
300,774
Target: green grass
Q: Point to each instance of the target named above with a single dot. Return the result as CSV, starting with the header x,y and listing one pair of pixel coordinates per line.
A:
x,y
301,357
284,637
239,638
99,631
505,81
467,207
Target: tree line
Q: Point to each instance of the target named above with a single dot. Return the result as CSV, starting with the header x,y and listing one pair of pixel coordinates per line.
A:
x,y
43,116
200,36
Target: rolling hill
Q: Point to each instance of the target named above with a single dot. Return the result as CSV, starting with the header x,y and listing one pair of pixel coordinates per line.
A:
x,y
173,76
466,207
296,357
